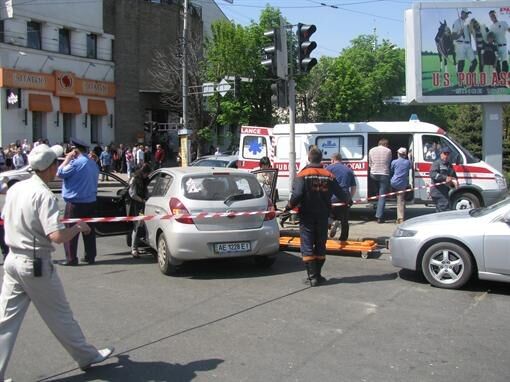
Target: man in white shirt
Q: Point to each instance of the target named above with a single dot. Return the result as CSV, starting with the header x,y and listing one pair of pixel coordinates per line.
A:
x,y
139,157
32,225
499,28
379,160
462,42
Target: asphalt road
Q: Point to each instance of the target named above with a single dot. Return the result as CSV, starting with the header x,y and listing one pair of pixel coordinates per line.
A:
x,y
230,321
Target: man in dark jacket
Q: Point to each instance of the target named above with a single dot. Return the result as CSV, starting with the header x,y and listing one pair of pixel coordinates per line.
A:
x,y
442,171
311,191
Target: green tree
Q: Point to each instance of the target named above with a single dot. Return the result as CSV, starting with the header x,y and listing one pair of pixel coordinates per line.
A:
x,y
354,85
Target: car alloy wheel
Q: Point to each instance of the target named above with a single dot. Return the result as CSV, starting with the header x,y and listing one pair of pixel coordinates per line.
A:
x,y
164,258
447,265
465,201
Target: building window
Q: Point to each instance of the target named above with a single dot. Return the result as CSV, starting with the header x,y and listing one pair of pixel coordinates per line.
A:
x,y
37,125
2,31
91,45
33,35
64,41
68,126
94,128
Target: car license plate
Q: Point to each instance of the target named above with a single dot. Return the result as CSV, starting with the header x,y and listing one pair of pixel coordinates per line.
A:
x,y
242,246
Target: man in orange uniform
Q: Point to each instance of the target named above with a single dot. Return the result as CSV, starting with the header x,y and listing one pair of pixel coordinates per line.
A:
x,y
311,191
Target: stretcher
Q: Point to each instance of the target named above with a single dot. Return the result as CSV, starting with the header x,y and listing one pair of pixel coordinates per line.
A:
x,y
365,247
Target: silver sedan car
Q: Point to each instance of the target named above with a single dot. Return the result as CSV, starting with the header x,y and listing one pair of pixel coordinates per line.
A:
x,y
244,223
450,247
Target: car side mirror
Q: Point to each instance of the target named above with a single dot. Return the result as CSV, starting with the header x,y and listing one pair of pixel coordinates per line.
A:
x,y
506,218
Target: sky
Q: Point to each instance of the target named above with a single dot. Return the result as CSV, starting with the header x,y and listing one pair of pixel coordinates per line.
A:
x,y
337,22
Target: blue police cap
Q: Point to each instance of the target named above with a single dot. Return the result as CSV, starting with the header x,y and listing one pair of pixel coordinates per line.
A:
x,y
446,149
79,143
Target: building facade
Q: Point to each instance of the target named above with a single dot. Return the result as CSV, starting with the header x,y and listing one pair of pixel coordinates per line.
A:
x,y
56,73
141,28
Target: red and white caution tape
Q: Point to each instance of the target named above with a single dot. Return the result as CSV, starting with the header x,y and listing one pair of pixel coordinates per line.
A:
x,y
204,215
390,194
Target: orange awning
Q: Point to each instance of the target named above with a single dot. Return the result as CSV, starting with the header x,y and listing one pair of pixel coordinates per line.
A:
x,y
39,102
70,105
97,107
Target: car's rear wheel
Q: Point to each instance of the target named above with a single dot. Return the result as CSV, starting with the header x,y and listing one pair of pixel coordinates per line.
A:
x,y
447,265
465,201
164,257
264,261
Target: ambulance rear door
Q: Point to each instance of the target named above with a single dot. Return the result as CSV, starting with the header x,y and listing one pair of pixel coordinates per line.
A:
x,y
255,143
353,148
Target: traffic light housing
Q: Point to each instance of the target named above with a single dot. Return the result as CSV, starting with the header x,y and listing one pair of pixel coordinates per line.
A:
x,y
237,87
275,52
305,47
270,59
279,97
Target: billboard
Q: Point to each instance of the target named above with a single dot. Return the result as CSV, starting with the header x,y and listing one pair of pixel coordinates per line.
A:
x,y
458,52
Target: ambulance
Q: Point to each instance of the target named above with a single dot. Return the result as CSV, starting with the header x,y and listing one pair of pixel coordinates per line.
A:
x,y
479,183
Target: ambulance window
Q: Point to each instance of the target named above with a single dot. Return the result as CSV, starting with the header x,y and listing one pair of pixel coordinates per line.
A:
x,y
254,147
282,148
350,147
328,146
432,145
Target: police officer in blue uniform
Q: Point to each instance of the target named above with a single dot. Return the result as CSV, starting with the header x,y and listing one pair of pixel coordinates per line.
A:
x,y
442,171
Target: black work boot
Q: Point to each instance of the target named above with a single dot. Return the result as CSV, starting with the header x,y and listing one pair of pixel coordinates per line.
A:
x,y
311,271
320,279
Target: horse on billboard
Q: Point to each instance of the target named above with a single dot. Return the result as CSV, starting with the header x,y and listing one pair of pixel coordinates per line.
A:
x,y
444,43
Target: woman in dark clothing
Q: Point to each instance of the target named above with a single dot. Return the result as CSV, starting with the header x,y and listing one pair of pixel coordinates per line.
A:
x,y
137,196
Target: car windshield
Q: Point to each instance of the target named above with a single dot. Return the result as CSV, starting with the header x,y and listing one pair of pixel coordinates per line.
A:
x,y
210,163
225,187
486,210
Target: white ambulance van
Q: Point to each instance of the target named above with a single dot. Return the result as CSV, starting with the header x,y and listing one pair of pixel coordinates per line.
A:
x,y
479,183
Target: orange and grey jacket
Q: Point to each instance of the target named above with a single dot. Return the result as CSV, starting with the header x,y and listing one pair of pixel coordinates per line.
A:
x,y
312,190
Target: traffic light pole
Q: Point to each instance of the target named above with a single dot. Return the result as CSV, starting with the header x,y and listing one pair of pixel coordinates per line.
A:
x,y
292,132
184,139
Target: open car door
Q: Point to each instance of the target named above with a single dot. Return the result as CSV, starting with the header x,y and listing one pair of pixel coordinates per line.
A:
x,y
267,179
111,201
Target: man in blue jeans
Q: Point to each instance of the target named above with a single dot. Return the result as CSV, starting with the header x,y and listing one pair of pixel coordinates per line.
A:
x,y
379,160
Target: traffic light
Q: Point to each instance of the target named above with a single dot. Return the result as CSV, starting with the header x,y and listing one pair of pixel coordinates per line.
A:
x,y
305,47
275,53
279,96
270,57
237,87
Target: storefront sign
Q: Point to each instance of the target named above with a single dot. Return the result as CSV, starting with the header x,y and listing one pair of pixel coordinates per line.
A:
x,y
64,84
13,98
95,88
26,80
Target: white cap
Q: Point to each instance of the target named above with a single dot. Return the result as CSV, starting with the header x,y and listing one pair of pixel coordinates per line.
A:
x,y
42,156
465,10
402,151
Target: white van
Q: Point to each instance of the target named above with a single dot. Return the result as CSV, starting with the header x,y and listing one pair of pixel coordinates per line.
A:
x,y
479,183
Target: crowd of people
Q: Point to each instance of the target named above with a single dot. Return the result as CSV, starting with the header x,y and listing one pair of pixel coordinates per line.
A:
x,y
119,158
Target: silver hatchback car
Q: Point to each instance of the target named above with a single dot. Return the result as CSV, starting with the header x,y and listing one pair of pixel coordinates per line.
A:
x,y
450,247
243,224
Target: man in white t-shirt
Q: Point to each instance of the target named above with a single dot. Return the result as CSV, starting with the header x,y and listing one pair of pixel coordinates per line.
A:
x,y
462,42
499,28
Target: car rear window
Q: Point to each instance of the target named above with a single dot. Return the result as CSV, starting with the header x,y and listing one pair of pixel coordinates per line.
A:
x,y
222,187
210,163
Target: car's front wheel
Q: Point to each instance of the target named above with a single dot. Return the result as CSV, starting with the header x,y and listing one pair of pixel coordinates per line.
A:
x,y
447,265
164,257
465,201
